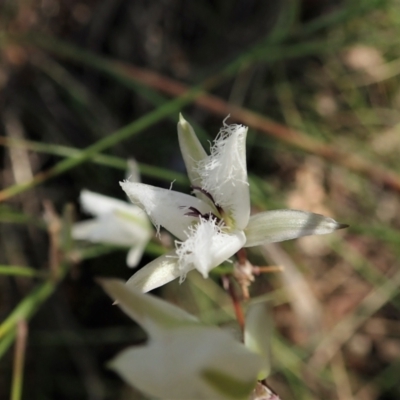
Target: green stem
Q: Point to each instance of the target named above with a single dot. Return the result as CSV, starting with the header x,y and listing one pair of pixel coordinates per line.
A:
x,y
101,159
20,271
27,307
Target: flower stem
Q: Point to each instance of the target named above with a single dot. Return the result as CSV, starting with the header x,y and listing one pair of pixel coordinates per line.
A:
x,y
273,268
228,286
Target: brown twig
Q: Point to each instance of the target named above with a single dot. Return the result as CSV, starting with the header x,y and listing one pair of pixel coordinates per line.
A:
x,y
227,284
267,269
53,228
242,256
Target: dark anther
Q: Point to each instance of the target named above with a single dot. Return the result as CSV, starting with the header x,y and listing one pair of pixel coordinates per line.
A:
x,y
194,212
211,216
209,195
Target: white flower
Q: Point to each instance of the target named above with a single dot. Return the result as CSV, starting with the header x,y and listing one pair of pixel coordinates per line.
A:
x,y
116,222
183,359
215,224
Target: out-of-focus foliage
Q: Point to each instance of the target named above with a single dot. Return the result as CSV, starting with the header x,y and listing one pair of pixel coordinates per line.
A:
x,y
78,97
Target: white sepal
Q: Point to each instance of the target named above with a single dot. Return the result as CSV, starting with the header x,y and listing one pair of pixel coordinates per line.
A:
x,y
165,207
107,228
132,172
159,272
191,149
224,174
135,253
97,204
280,225
151,313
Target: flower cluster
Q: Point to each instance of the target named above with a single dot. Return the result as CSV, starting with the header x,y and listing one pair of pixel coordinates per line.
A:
x,y
183,358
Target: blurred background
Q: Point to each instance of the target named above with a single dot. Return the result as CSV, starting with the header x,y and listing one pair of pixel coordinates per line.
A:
x,y
84,85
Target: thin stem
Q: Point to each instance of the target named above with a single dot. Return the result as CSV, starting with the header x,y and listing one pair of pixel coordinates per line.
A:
x,y
266,269
242,256
19,360
228,286
101,159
